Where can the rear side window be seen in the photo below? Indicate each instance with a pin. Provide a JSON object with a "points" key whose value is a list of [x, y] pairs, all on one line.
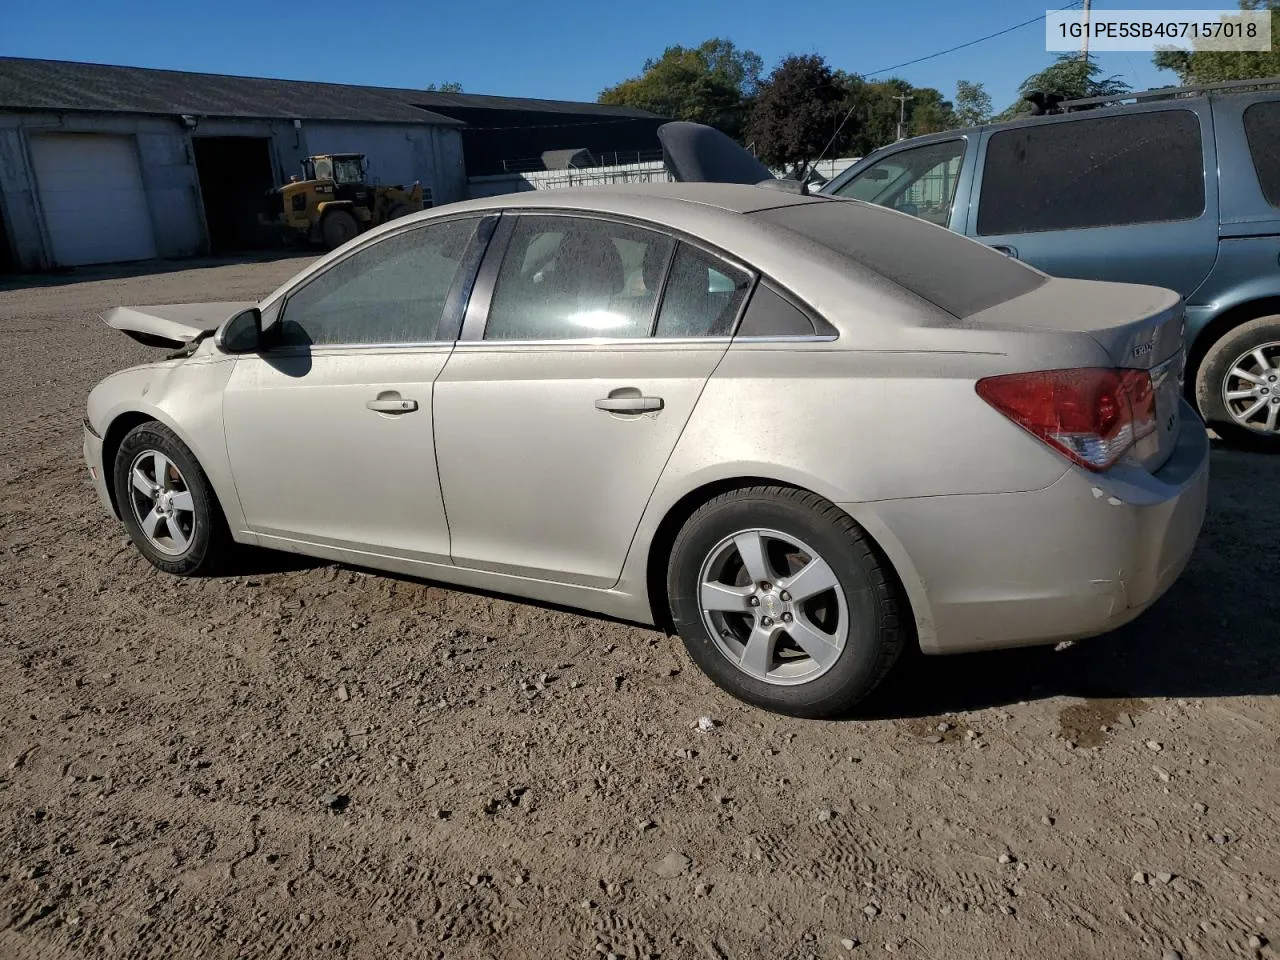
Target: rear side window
{"points": [[1262, 130], [1137, 168], [702, 296], [957, 274], [569, 278], [769, 314]]}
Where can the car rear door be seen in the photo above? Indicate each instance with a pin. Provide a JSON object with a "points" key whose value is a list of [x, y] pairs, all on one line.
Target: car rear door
{"points": [[573, 379], [1122, 196]]}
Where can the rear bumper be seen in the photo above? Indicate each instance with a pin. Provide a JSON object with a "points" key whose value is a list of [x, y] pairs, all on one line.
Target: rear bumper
{"points": [[1076, 559], [92, 449]]}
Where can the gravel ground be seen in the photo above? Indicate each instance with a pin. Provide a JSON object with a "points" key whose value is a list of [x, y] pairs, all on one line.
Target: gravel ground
{"points": [[308, 759]]}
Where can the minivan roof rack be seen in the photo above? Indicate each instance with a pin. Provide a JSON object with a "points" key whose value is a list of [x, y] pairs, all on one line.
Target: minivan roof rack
{"points": [[1169, 93]]}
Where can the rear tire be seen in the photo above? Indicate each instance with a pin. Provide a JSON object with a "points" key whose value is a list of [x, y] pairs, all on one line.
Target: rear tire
{"points": [[783, 602], [338, 227], [1233, 379], [167, 504]]}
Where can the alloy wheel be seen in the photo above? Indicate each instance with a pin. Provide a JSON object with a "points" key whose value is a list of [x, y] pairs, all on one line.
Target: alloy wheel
{"points": [[773, 606], [1251, 389], [162, 502]]}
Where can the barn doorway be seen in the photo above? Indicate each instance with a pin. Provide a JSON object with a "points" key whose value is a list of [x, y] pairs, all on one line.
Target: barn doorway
{"points": [[234, 173], [8, 258]]}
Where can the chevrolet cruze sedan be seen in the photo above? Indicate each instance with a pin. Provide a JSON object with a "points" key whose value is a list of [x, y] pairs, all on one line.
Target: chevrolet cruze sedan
{"points": [[803, 432]]}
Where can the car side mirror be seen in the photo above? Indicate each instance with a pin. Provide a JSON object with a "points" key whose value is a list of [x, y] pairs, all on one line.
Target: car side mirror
{"points": [[242, 333]]}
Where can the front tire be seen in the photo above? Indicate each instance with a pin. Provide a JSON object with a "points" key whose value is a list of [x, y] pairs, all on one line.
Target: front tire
{"points": [[337, 227], [167, 503], [1238, 385], [782, 601]]}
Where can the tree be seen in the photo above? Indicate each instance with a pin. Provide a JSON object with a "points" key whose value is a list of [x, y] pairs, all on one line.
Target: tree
{"points": [[1071, 78], [973, 104], [451, 86], [712, 83], [928, 112], [796, 111], [1215, 66]]}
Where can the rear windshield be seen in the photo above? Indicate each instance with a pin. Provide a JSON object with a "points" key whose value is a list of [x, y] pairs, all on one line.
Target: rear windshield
{"points": [[959, 275]]}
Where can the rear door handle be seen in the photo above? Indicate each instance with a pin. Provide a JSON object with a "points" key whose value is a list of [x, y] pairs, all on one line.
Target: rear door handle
{"points": [[629, 404], [392, 406]]}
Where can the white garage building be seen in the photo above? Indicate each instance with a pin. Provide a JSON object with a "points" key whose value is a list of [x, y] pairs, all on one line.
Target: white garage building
{"points": [[104, 164]]}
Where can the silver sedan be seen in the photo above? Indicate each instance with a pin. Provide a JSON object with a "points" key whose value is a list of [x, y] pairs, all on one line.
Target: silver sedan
{"points": [[802, 432]]}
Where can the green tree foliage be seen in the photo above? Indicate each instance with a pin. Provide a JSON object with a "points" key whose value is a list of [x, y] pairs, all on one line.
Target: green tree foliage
{"points": [[973, 104], [451, 86], [713, 83], [873, 114], [796, 111], [1210, 66], [1070, 77]]}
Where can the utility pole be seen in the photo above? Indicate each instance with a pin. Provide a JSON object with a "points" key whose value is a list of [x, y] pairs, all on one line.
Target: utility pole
{"points": [[902, 99], [1084, 46]]}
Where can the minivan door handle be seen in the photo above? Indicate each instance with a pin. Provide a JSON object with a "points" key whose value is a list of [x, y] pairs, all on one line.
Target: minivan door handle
{"points": [[1007, 250]]}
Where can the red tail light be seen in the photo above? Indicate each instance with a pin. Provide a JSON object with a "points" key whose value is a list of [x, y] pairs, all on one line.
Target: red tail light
{"points": [[1092, 415]]}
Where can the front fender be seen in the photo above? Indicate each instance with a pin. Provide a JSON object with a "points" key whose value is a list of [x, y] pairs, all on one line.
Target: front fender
{"points": [[187, 398]]}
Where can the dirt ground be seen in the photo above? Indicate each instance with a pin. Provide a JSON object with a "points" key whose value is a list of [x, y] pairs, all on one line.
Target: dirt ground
{"points": [[309, 760]]}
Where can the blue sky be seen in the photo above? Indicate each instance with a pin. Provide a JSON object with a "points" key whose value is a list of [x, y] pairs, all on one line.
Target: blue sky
{"points": [[560, 51]]}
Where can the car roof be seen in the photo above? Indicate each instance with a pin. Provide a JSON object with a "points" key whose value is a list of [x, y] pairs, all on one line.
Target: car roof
{"points": [[730, 197]]}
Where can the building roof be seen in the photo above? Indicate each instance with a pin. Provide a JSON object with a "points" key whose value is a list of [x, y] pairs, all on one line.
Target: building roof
{"points": [[60, 85]]}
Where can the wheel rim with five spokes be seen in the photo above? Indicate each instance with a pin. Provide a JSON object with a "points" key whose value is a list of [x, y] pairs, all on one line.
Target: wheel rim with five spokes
{"points": [[162, 503], [773, 607], [1251, 389]]}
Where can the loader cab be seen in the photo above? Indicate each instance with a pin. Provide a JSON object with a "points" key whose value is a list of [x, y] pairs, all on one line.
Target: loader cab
{"points": [[341, 168]]}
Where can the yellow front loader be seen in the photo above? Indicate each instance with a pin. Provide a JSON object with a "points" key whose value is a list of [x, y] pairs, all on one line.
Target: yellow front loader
{"points": [[333, 201]]}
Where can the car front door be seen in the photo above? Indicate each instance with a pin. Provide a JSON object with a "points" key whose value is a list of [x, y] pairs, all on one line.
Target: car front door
{"points": [[329, 428], [1121, 197], [586, 346]]}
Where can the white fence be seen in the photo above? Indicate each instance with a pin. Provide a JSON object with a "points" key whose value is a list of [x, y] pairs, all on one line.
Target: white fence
{"points": [[646, 172]]}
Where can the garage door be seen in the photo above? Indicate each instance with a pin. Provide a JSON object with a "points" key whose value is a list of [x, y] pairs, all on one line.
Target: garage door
{"points": [[95, 208]]}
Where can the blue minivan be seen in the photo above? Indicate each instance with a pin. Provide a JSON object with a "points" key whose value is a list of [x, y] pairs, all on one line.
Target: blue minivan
{"points": [[1180, 189]]}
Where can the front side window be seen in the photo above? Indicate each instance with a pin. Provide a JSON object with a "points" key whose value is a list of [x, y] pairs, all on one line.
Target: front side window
{"points": [[1262, 130], [1108, 171], [920, 181], [392, 291], [572, 278]]}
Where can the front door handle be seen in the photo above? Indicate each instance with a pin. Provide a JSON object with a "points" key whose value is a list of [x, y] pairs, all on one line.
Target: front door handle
{"points": [[1008, 251], [629, 404], [392, 406]]}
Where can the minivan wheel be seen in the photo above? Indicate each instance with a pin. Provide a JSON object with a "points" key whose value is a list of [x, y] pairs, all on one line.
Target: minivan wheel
{"points": [[167, 504], [782, 601], [1238, 385]]}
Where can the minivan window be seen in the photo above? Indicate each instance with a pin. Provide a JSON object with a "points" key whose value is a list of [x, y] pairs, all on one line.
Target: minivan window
{"points": [[1262, 130], [1144, 167], [920, 181]]}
